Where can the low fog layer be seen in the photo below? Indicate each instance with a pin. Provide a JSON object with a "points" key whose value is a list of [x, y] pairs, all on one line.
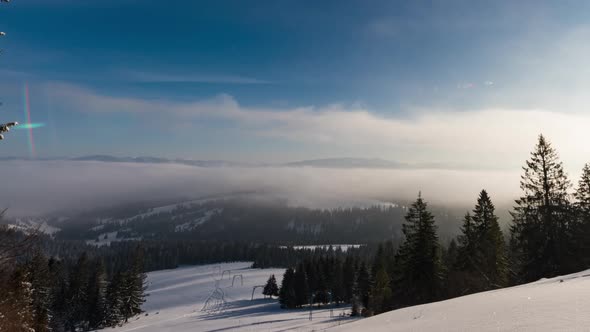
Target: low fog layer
{"points": [[38, 187]]}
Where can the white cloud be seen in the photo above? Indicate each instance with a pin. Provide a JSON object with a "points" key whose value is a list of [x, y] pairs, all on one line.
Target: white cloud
{"points": [[37, 187], [484, 138]]}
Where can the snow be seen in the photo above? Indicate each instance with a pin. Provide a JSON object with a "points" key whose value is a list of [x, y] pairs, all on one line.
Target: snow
{"points": [[557, 304], [176, 299], [188, 226], [343, 247], [35, 225], [105, 239]]}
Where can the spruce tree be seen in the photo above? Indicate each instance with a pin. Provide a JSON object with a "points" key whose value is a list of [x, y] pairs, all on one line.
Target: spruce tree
{"points": [[541, 218], [490, 260], [418, 260], [114, 297], [582, 231], [38, 276], [271, 289], [381, 293], [97, 301], [348, 278], [301, 286], [16, 309], [362, 288], [287, 296], [466, 249], [58, 294], [134, 286], [77, 310]]}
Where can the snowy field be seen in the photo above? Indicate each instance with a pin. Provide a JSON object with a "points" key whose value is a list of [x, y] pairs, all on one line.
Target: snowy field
{"points": [[557, 304], [343, 247], [177, 298]]}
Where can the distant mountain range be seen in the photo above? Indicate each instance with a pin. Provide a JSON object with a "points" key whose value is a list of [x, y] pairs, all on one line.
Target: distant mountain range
{"points": [[344, 163]]}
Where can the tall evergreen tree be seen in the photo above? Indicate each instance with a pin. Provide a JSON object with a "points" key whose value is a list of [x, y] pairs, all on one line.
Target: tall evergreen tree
{"points": [[490, 260], [97, 301], [271, 289], [582, 231], [38, 276], [541, 217], [16, 303], [287, 296], [301, 286], [466, 249], [381, 294], [362, 287], [348, 278], [134, 286], [58, 294], [77, 317], [418, 259], [114, 297]]}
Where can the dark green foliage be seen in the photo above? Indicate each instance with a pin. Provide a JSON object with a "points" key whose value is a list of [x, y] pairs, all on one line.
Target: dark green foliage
{"points": [[301, 286], [38, 276], [271, 289], [287, 296], [481, 263], [133, 287], [541, 229], [54, 295], [97, 296], [582, 224], [418, 264], [362, 288], [16, 303], [115, 300], [491, 260]]}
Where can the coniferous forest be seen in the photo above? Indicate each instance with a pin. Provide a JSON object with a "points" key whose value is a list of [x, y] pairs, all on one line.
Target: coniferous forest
{"points": [[57, 285], [549, 236]]}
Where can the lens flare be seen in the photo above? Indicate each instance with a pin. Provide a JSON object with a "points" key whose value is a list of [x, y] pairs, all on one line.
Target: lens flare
{"points": [[28, 122], [29, 126]]}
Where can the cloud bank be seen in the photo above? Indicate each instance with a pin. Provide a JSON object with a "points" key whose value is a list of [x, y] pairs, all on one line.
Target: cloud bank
{"points": [[489, 138], [38, 187]]}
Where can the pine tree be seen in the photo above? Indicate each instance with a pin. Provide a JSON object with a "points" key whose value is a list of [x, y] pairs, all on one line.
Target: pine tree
{"points": [[490, 260], [97, 301], [58, 294], [418, 259], [582, 228], [337, 287], [466, 249], [38, 276], [541, 218], [348, 278], [78, 295], [301, 286], [134, 286], [362, 288], [381, 293], [271, 289], [287, 296], [16, 303], [114, 297]]}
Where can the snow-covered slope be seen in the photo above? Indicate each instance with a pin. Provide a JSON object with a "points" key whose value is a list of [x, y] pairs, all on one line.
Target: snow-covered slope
{"points": [[557, 304], [177, 298], [29, 225]]}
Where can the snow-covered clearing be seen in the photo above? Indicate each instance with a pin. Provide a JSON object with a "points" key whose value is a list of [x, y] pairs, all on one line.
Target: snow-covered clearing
{"points": [[177, 297], [343, 247], [557, 304], [105, 239]]}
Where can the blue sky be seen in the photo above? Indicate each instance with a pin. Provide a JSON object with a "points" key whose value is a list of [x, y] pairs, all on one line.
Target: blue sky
{"points": [[413, 81]]}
